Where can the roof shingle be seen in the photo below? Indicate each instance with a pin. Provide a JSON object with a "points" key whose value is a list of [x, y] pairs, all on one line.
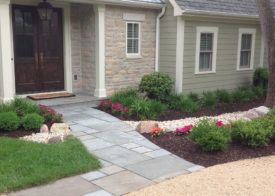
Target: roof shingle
{"points": [[236, 7]]}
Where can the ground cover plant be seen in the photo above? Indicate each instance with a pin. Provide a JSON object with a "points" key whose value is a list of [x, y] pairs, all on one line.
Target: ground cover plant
{"points": [[154, 100], [26, 164], [21, 117]]}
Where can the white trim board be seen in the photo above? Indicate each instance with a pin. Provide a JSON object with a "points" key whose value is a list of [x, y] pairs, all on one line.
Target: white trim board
{"points": [[179, 54], [253, 33], [200, 30]]}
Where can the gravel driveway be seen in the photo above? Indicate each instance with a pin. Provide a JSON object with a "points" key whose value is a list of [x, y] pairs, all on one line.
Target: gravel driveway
{"points": [[246, 177]]}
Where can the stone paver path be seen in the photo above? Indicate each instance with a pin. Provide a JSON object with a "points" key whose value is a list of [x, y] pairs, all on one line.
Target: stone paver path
{"points": [[130, 162]]}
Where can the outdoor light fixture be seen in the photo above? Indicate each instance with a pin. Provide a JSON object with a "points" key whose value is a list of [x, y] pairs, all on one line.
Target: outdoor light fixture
{"points": [[45, 10]]}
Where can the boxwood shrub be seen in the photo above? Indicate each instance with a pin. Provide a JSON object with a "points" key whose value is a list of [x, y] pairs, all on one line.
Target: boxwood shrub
{"points": [[9, 121], [210, 137], [256, 133], [32, 121]]}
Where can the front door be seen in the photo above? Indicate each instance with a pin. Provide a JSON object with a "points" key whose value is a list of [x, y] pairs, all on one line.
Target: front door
{"points": [[38, 50]]}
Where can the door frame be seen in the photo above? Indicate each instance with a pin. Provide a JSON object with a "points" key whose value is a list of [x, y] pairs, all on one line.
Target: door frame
{"points": [[67, 53]]}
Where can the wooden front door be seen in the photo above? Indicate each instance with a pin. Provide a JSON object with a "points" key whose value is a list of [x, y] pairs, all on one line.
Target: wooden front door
{"points": [[38, 50]]}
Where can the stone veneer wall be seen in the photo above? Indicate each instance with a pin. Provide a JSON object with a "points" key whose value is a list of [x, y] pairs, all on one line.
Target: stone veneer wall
{"points": [[121, 72], [83, 48]]}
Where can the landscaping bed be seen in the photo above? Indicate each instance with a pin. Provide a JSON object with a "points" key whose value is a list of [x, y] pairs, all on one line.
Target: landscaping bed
{"points": [[219, 109], [20, 117], [185, 148]]}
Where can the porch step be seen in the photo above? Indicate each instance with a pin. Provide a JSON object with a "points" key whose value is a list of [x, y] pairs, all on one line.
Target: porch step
{"points": [[79, 99]]}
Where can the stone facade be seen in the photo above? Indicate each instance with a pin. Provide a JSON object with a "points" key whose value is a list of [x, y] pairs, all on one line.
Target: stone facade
{"points": [[83, 48], [122, 72]]}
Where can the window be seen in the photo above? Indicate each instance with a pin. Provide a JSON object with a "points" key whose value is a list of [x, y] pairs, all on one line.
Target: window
{"points": [[206, 50], [133, 39], [246, 49]]}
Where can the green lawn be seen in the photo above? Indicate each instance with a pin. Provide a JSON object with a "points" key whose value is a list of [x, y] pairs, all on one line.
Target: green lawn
{"points": [[26, 164]]}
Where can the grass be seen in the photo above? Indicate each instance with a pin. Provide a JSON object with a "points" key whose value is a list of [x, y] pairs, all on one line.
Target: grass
{"points": [[26, 164]]}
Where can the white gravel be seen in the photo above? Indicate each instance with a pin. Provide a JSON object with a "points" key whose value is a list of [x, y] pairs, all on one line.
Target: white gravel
{"points": [[174, 124]]}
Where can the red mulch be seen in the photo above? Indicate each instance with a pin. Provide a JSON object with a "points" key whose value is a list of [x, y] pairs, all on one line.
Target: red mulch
{"points": [[204, 111], [15, 134], [185, 148]]}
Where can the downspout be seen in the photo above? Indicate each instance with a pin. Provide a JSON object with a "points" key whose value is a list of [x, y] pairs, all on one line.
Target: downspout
{"points": [[157, 38]]}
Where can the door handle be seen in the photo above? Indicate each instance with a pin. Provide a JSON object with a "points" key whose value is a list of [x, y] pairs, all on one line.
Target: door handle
{"points": [[41, 57]]}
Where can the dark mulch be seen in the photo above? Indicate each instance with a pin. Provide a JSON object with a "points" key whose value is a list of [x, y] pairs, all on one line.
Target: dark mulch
{"points": [[15, 134], [185, 148], [204, 111], [218, 110]]}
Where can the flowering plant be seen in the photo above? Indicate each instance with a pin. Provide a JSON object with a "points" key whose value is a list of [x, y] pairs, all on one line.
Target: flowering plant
{"points": [[184, 130], [106, 104], [119, 108], [219, 124], [157, 131], [51, 116]]}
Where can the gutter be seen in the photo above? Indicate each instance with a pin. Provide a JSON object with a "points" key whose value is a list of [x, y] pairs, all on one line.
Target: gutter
{"points": [[161, 14], [188, 12], [130, 3]]}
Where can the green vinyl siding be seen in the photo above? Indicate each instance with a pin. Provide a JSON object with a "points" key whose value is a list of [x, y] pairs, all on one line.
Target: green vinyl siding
{"points": [[226, 76], [168, 43]]}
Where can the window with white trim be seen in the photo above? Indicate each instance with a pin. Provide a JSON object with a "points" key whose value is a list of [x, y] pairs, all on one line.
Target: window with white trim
{"points": [[246, 49], [133, 38], [206, 50]]}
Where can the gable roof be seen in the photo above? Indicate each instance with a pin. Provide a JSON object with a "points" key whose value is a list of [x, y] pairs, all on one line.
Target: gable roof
{"points": [[225, 7]]}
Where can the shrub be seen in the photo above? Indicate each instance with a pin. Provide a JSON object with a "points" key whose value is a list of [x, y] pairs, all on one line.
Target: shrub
{"points": [[258, 91], [194, 96], [243, 94], [20, 106], [253, 134], [183, 103], [210, 137], [209, 99], [9, 121], [237, 95], [157, 86], [32, 121], [126, 97], [24, 106], [174, 101], [157, 107], [223, 96], [141, 109], [260, 78], [188, 105], [50, 115], [147, 109]]}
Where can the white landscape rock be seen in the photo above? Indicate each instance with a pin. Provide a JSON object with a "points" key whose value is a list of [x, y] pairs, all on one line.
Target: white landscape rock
{"points": [[262, 110], [59, 132], [44, 129], [226, 118]]}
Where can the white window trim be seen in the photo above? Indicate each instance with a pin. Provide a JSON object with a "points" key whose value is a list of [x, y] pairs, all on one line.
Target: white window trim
{"points": [[241, 32], [133, 55], [200, 30]]}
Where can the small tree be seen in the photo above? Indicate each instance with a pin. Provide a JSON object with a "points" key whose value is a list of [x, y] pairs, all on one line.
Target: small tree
{"points": [[268, 29]]}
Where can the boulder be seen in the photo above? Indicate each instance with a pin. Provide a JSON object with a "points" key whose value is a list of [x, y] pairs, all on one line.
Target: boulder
{"points": [[44, 129], [262, 110], [55, 139], [251, 114], [60, 128], [146, 126]]}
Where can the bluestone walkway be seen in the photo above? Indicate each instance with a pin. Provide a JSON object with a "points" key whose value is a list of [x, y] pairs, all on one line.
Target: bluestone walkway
{"points": [[130, 162]]}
